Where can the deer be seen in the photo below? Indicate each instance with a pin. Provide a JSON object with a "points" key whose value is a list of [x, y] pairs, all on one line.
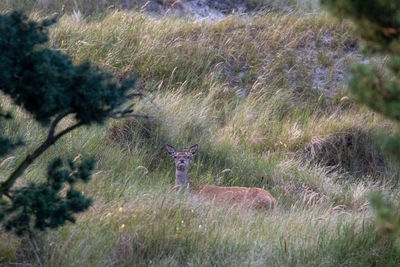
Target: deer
{"points": [[232, 195]]}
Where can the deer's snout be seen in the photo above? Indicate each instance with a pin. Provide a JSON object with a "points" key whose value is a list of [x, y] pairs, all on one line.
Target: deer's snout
{"points": [[182, 161]]}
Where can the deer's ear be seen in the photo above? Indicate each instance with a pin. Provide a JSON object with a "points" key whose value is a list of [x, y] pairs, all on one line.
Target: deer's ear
{"points": [[193, 149], [171, 151]]}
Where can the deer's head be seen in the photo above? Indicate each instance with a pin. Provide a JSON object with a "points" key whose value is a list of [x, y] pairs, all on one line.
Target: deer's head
{"points": [[181, 158]]}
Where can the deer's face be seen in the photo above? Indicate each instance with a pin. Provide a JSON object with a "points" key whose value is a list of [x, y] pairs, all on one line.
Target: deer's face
{"points": [[181, 158]]}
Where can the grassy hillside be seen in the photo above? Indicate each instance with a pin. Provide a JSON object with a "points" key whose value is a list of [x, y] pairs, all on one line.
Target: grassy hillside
{"points": [[96, 8], [264, 96]]}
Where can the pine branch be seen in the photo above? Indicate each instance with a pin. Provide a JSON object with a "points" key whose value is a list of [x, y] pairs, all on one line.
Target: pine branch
{"points": [[50, 86], [127, 113], [55, 123], [50, 140]]}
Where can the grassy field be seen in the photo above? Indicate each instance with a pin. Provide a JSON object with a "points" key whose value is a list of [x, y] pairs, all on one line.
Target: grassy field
{"points": [[263, 95], [98, 8]]}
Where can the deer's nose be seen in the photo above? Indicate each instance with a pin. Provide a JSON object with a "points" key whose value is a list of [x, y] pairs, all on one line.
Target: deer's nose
{"points": [[182, 161]]}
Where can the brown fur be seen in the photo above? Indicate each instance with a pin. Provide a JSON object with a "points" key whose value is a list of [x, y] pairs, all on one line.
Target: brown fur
{"points": [[234, 195]]}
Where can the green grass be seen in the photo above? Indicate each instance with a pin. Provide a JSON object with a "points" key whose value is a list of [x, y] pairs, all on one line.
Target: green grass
{"points": [[248, 91]]}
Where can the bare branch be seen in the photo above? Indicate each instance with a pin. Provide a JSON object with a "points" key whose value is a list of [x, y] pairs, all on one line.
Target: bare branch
{"points": [[127, 113], [7, 194], [6, 185], [54, 124]]}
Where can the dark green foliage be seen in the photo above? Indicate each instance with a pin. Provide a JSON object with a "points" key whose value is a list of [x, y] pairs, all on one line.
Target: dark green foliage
{"points": [[49, 86], [45, 82], [388, 223], [378, 22], [392, 145], [5, 143], [50, 204], [373, 89], [385, 211]]}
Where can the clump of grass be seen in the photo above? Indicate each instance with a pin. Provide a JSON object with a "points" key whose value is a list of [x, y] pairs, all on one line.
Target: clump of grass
{"points": [[351, 151], [131, 133]]}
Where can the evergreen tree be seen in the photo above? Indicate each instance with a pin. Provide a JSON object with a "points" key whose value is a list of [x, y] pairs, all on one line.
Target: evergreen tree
{"points": [[378, 87], [378, 22], [50, 87]]}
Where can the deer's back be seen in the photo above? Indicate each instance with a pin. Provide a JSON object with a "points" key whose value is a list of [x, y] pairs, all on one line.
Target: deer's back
{"points": [[252, 196]]}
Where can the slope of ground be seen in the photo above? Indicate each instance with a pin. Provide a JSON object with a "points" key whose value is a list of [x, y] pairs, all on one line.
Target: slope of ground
{"points": [[262, 95], [195, 9]]}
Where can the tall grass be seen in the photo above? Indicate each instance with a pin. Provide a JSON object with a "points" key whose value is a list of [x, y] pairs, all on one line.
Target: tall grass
{"points": [[262, 96], [86, 7], [97, 8]]}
